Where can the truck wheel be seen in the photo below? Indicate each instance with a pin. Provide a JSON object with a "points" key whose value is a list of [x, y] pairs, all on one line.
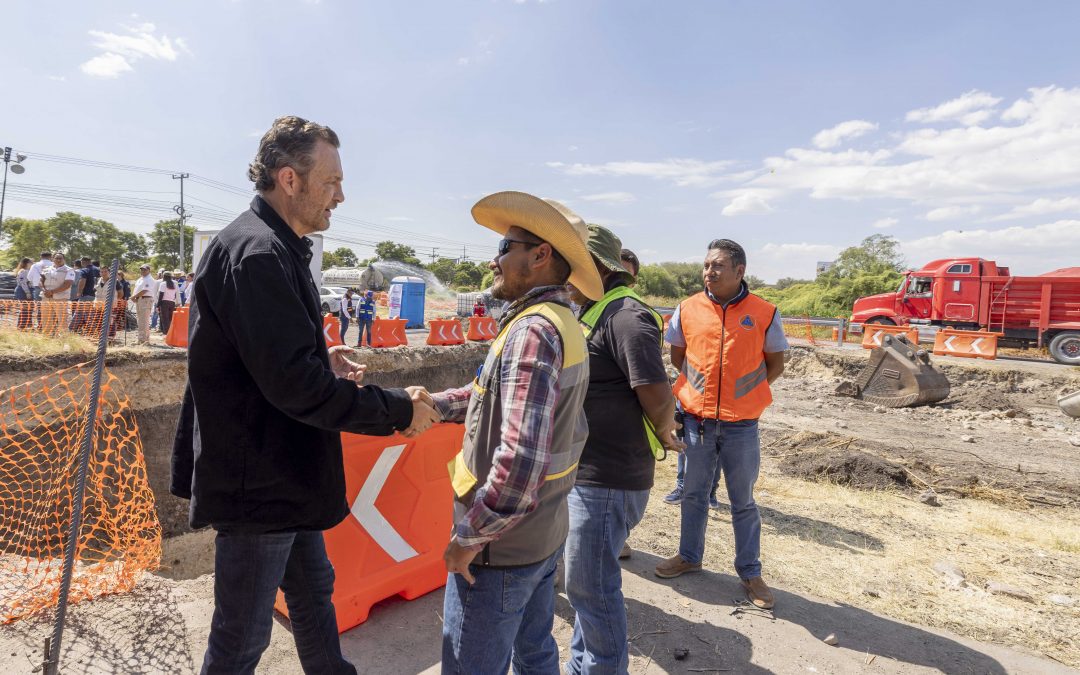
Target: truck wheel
{"points": [[882, 320], [1065, 348]]}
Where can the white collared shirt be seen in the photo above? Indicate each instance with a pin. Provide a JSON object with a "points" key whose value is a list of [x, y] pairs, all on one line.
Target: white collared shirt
{"points": [[145, 283], [56, 276], [35, 272]]}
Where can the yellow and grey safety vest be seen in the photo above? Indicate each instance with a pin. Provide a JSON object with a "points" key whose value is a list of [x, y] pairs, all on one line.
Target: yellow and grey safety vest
{"points": [[540, 533], [588, 324]]}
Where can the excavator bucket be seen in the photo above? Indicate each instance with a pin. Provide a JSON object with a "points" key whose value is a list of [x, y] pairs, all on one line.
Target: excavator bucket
{"points": [[899, 375]]}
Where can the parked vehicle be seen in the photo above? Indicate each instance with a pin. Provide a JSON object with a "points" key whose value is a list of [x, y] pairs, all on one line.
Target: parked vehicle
{"points": [[7, 286], [330, 300], [978, 294]]}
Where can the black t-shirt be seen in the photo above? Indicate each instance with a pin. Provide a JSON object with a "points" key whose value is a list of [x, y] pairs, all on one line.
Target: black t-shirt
{"points": [[624, 352], [91, 275]]}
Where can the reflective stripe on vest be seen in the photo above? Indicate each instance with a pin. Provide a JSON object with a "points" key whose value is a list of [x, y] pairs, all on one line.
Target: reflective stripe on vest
{"points": [[588, 324], [724, 375]]}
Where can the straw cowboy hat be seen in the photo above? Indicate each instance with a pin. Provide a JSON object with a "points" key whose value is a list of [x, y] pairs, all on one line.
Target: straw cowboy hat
{"points": [[550, 221]]}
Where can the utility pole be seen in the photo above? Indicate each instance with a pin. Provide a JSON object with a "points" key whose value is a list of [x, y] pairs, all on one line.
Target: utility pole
{"points": [[433, 255], [183, 217]]}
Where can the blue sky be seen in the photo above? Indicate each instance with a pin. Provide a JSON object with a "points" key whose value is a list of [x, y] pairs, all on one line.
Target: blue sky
{"points": [[796, 128]]}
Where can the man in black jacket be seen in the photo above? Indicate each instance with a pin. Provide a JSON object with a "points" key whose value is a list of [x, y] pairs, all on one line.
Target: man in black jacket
{"points": [[258, 448]]}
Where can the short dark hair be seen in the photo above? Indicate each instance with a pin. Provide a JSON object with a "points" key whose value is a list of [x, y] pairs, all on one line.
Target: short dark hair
{"points": [[46, 254], [626, 255], [289, 142], [734, 251]]}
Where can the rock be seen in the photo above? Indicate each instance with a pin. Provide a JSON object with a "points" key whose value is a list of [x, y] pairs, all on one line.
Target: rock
{"points": [[1011, 591], [967, 439], [831, 640], [1074, 441], [681, 653], [1025, 422], [954, 576], [872, 592], [819, 401], [1061, 600], [841, 424], [969, 425], [1059, 427], [879, 408], [930, 498]]}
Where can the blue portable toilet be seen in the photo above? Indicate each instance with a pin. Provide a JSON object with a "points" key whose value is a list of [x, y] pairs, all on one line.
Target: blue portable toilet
{"points": [[407, 300]]}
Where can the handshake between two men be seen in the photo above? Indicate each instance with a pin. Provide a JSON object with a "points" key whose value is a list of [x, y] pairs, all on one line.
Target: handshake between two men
{"points": [[424, 412]]}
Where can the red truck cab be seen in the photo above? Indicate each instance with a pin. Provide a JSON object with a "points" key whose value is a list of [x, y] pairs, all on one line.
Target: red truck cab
{"points": [[978, 294]]}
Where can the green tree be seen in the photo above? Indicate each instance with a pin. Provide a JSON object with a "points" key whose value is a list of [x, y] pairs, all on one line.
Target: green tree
{"points": [[164, 242], [346, 256], [876, 254], [443, 269], [28, 238], [487, 280], [135, 247], [73, 235], [656, 280], [388, 250], [468, 275], [789, 281], [752, 282]]}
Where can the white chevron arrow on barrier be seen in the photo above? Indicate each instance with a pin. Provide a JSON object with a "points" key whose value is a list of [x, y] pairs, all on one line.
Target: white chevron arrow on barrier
{"points": [[948, 343], [877, 338], [326, 332], [369, 517], [975, 345]]}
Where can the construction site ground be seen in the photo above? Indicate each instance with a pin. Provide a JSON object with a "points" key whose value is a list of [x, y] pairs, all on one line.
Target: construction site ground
{"points": [[986, 582]]}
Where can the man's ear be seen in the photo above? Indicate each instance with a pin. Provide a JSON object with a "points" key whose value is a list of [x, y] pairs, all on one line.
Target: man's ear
{"points": [[288, 180]]}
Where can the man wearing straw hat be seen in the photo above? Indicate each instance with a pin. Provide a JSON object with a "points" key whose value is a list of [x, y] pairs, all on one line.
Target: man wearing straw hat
{"points": [[525, 430]]}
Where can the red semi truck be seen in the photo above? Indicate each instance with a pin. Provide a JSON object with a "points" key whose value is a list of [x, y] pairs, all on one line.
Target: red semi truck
{"points": [[977, 294]]}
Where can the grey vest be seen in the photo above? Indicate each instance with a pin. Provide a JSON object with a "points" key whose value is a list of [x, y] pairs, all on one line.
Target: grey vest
{"points": [[540, 533]]}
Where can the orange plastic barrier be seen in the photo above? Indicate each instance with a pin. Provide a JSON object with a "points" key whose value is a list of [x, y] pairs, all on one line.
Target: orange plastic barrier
{"points": [[402, 513], [331, 328], [445, 332], [120, 538], [178, 329], [873, 332], [482, 328], [968, 343], [388, 332]]}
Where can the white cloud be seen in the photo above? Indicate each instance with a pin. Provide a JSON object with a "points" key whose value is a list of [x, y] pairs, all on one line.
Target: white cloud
{"points": [[119, 51], [970, 108], [747, 204], [775, 261], [952, 212], [572, 148], [1026, 250], [830, 138], [107, 65], [58, 78], [398, 218], [610, 197], [1042, 207], [681, 172], [885, 223]]}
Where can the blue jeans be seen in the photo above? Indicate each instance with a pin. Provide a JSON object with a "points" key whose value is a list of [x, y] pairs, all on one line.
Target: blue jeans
{"points": [[600, 520], [248, 570], [344, 327], [735, 446], [361, 326], [679, 482], [506, 616]]}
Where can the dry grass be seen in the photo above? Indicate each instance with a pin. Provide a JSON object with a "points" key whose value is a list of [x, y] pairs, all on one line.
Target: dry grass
{"points": [[23, 344], [876, 550]]}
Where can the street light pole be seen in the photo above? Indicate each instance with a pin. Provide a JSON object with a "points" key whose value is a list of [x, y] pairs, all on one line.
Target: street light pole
{"points": [[17, 170], [183, 215]]}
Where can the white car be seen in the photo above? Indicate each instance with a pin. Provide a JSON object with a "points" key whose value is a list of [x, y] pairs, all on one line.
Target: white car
{"points": [[330, 299]]}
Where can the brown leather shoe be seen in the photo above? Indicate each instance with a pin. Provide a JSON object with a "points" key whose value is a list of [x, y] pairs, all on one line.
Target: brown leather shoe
{"points": [[758, 592], [625, 552], [675, 566]]}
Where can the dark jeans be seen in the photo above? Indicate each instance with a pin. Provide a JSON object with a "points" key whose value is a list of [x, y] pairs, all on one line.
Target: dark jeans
{"points": [[165, 309], [344, 327], [248, 570], [361, 326]]}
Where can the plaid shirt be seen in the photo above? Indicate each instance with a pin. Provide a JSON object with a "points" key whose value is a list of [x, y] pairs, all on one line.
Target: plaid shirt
{"points": [[530, 365]]}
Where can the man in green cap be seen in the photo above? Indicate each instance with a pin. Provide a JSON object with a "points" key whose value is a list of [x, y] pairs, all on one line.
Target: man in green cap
{"points": [[631, 414]]}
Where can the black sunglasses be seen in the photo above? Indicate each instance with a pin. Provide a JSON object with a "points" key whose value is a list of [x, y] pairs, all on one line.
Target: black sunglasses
{"points": [[504, 245]]}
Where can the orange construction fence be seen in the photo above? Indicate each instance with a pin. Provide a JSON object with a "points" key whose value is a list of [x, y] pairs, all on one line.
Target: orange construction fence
{"points": [[331, 328], [445, 332], [178, 329], [968, 343], [401, 516], [388, 332], [873, 332], [55, 317], [482, 328], [120, 538]]}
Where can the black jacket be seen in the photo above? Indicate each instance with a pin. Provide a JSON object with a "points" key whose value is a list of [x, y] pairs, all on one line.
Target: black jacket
{"points": [[258, 447]]}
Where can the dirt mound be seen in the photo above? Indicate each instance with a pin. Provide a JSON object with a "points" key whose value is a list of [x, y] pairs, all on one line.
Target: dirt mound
{"points": [[847, 467], [987, 399]]}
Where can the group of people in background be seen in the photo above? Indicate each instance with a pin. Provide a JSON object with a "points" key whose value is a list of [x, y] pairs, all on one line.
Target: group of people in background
{"points": [[361, 309], [55, 284]]}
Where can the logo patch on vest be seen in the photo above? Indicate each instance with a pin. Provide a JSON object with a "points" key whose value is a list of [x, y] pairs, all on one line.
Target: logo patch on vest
{"points": [[747, 322]]}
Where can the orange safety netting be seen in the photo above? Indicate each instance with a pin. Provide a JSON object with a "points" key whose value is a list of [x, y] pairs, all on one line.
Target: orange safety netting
{"points": [[54, 317], [41, 429], [799, 327]]}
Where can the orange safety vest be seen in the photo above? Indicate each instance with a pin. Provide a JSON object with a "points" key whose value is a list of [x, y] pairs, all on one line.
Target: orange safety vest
{"points": [[723, 375]]}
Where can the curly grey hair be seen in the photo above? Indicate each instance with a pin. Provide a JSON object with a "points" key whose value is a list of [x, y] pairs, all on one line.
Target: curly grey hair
{"points": [[289, 142]]}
